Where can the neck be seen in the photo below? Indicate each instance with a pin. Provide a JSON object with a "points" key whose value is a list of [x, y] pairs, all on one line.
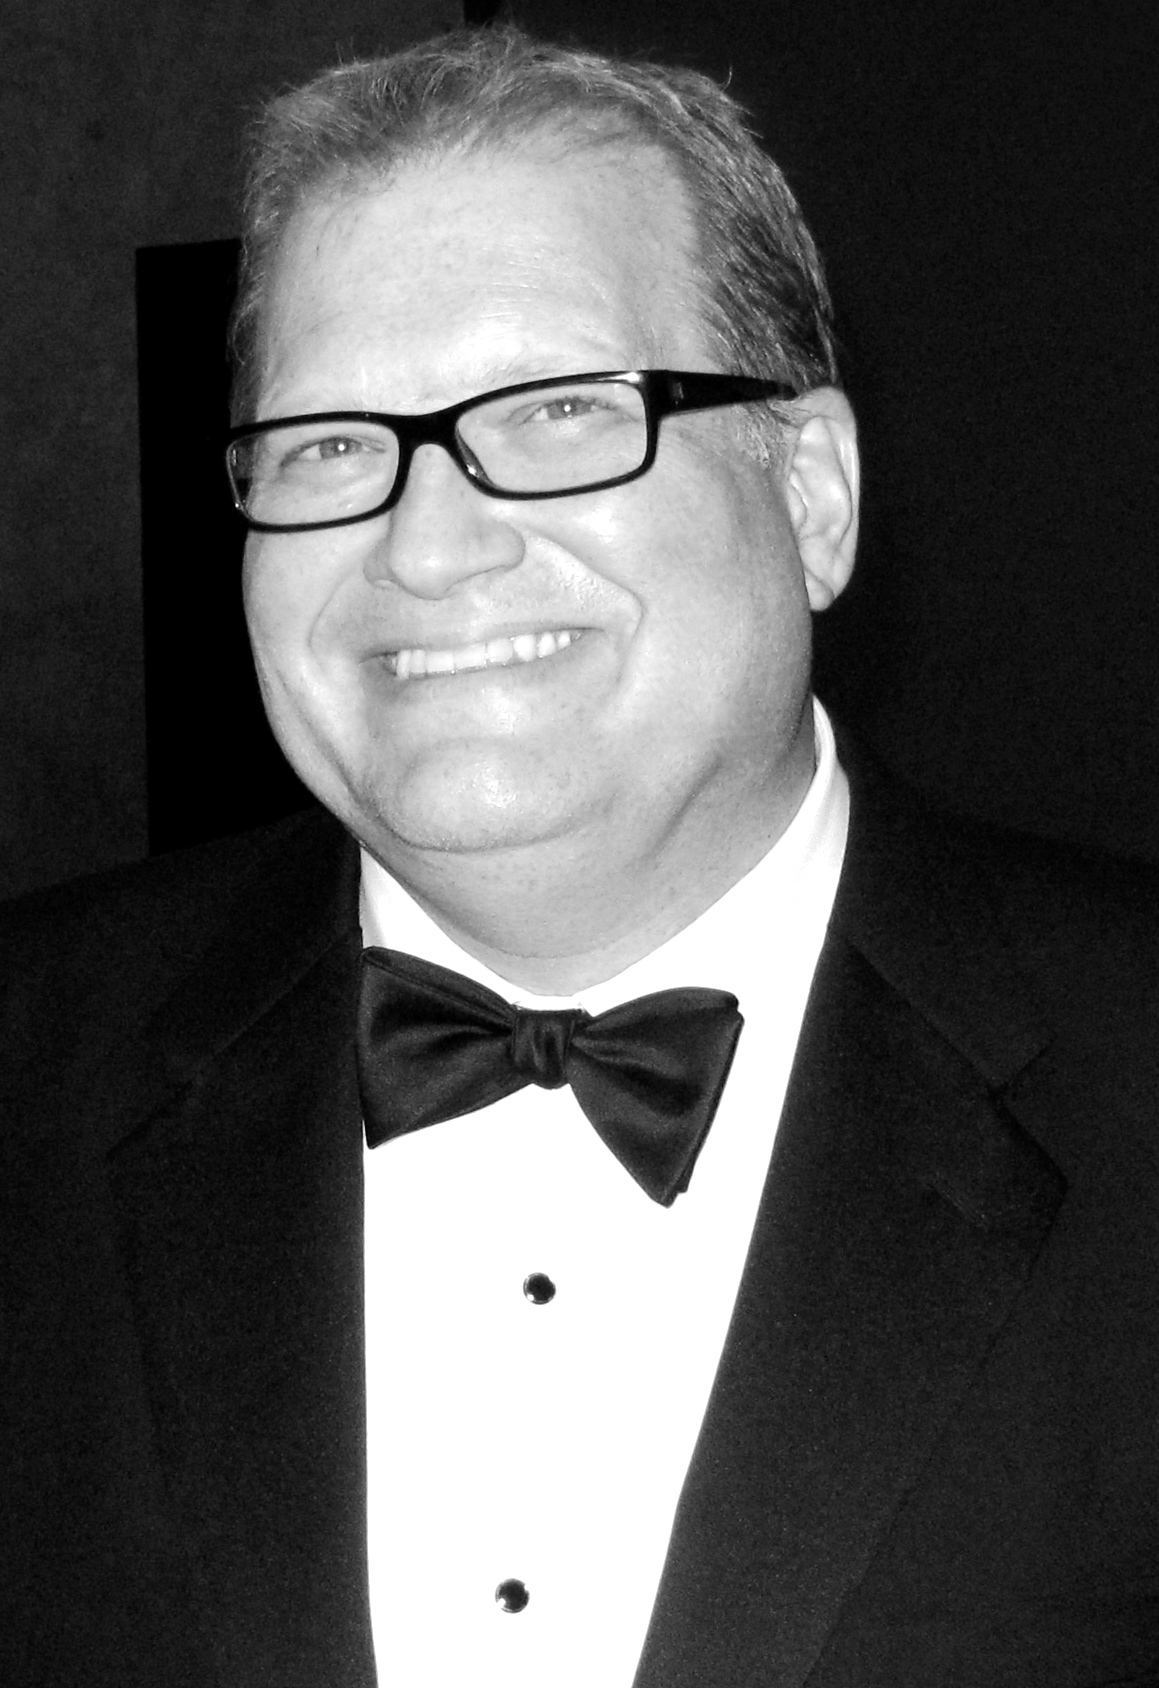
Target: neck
{"points": [[556, 920]]}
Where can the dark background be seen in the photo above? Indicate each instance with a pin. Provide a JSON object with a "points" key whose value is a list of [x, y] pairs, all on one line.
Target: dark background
{"points": [[982, 181]]}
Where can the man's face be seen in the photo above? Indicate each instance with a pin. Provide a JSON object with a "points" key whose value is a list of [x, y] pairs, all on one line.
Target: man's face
{"points": [[677, 709]]}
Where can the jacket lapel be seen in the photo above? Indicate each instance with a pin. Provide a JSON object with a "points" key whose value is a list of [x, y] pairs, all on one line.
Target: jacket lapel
{"points": [[904, 1208], [235, 1181]]}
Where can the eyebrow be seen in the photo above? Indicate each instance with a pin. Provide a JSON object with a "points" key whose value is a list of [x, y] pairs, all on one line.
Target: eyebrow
{"points": [[515, 370]]}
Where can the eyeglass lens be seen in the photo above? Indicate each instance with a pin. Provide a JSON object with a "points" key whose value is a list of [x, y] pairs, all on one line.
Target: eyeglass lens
{"points": [[540, 440]]}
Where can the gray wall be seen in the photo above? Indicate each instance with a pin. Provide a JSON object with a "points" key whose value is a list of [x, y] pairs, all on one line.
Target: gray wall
{"points": [[119, 128]]}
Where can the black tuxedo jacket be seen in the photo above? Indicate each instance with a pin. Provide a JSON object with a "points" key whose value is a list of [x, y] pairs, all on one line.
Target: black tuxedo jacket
{"points": [[932, 1451]]}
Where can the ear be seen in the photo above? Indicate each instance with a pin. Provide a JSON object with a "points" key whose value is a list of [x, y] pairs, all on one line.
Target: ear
{"points": [[822, 483]]}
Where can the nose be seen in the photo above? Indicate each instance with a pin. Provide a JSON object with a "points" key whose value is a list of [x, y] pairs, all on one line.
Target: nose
{"points": [[442, 531]]}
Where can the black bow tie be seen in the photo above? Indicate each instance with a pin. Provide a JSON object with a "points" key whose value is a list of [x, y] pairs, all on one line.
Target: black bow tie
{"points": [[648, 1074]]}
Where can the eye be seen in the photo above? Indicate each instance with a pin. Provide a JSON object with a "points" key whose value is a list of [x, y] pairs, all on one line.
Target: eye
{"points": [[566, 407], [341, 446], [294, 453], [330, 449], [583, 407]]}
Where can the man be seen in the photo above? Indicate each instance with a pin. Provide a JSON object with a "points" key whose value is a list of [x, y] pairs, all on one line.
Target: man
{"points": [[534, 626]]}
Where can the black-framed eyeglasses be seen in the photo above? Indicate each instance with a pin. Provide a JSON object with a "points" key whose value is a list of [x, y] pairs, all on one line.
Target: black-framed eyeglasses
{"points": [[539, 439]]}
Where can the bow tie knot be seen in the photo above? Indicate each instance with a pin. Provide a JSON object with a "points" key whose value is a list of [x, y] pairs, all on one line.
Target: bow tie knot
{"points": [[540, 1043], [649, 1074]]}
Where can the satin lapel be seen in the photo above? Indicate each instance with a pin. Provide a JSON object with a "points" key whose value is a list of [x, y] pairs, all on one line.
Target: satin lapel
{"points": [[904, 1209], [237, 1204]]}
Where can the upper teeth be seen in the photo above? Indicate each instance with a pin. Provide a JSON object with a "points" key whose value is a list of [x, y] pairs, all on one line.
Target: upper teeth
{"points": [[492, 653]]}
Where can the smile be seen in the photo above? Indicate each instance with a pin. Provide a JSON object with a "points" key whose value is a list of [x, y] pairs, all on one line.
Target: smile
{"points": [[417, 663]]}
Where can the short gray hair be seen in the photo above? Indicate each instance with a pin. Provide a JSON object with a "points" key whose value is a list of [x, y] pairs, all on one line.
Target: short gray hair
{"points": [[762, 290]]}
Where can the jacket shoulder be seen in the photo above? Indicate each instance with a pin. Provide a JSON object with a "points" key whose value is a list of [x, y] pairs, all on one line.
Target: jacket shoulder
{"points": [[1044, 900], [94, 956], [1037, 962], [1058, 905]]}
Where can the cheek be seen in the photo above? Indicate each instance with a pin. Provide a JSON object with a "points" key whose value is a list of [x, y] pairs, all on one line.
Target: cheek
{"points": [[269, 602], [735, 627], [716, 567], [287, 597]]}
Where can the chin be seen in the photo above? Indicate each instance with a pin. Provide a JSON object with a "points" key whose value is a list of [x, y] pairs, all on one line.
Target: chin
{"points": [[453, 810]]}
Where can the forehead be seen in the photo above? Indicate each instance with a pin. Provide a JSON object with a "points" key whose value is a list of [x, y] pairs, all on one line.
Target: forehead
{"points": [[467, 273]]}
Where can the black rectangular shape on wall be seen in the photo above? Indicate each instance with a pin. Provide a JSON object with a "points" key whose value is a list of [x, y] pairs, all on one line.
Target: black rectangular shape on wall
{"points": [[213, 765]]}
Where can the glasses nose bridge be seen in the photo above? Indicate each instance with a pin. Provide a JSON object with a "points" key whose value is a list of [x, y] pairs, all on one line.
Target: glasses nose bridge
{"points": [[437, 427]]}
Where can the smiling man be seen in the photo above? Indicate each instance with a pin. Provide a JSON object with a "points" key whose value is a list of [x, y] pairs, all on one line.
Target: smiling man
{"points": [[568, 724], [619, 1194]]}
